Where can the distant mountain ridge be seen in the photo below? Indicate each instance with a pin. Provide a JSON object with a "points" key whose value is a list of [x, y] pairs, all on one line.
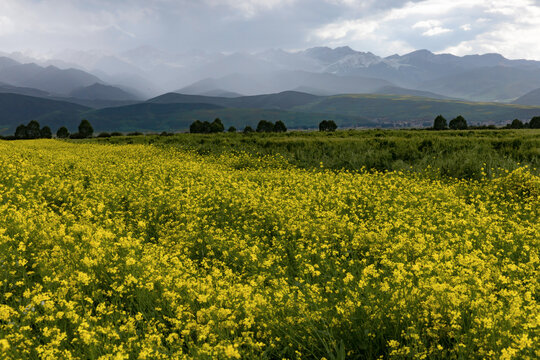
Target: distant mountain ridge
{"points": [[320, 70]]}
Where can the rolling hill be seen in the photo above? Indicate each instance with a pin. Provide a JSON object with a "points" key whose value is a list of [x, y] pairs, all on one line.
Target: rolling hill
{"points": [[17, 109], [395, 110], [531, 98]]}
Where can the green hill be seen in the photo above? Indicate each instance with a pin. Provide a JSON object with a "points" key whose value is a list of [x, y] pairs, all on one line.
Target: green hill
{"points": [[395, 110], [18, 109]]}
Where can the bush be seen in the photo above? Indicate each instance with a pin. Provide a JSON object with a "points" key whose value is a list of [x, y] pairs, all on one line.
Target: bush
{"points": [[327, 125], [232, 129], [265, 126], [516, 124], [45, 133], [62, 133], [439, 123], [535, 123], [248, 129], [116, 133], [85, 129], [104, 135], [458, 123], [135, 133], [280, 127]]}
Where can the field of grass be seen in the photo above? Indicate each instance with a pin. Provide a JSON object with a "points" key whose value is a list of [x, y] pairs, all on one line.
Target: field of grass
{"points": [[461, 154], [189, 250]]}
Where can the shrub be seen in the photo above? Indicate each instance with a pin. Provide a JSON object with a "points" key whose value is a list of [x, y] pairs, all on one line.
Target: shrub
{"points": [[265, 126], [458, 123], [85, 129], [327, 125], [440, 123], [62, 133], [279, 127]]}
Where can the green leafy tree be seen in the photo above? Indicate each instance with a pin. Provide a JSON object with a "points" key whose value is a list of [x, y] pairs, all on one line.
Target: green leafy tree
{"points": [[248, 129], [535, 123], [62, 133], [217, 126], [85, 129], [279, 127], [327, 125], [458, 123], [20, 132], [265, 126], [440, 123], [45, 132], [232, 129], [516, 124], [33, 130], [196, 127]]}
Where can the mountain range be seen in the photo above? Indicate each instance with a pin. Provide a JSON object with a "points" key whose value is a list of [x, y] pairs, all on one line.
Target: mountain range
{"points": [[356, 88]]}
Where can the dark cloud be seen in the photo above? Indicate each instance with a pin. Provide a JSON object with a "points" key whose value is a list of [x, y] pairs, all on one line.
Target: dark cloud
{"points": [[380, 26]]}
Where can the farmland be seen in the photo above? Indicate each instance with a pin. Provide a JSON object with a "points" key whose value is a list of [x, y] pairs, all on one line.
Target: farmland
{"points": [[271, 246]]}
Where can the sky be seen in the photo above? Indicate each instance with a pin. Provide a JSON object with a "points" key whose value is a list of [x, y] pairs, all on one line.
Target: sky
{"points": [[384, 27]]}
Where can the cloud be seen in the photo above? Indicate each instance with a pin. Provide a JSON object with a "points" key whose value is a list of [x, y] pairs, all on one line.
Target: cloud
{"points": [[381, 26]]}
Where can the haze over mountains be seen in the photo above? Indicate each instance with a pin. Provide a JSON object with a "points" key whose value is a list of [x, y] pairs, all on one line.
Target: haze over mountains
{"points": [[304, 82]]}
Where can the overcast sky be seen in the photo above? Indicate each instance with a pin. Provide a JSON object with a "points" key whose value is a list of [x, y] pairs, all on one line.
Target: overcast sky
{"points": [[384, 27]]}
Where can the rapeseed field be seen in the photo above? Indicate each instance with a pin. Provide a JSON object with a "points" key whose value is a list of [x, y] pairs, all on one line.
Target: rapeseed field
{"points": [[144, 252]]}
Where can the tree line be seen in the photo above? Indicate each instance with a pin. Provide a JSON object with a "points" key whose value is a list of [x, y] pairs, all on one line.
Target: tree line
{"points": [[459, 123], [264, 126]]}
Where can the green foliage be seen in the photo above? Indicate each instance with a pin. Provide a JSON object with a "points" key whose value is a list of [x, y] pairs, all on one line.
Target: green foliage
{"points": [[265, 126], [458, 123], [45, 133], [33, 130], [535, 123], [248, 129], [62, 133], [279, 127], [21, 132], [327, 125], [198, 127], [85, 129], [440, 123], [232, 129], [516, 124]]}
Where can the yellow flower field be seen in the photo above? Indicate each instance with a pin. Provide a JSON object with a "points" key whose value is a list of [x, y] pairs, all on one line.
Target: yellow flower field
{"points": [[140, 252]]}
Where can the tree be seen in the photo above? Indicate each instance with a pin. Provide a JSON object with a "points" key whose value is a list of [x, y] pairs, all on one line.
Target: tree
{"points": [[327, 125], [85, 129], [458, 123], [265, 126], [535, 123], [279, 126], [216, 126], [20, 132], [33, 130], [248, 129], [516, 124], [439, 123], [62, 133], [196, 127], [232, 129], [45, 132]]}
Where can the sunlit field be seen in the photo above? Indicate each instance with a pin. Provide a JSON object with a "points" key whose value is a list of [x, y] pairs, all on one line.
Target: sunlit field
{"points": [[139, 251]]}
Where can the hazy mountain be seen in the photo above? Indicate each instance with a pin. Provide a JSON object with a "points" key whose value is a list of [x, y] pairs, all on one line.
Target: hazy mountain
{"points": [[531, 98], [102, 92], [499, 83], [286, 80], [50, 79], [6, 88], [147, 71], [284, 100], [18, 109]]}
